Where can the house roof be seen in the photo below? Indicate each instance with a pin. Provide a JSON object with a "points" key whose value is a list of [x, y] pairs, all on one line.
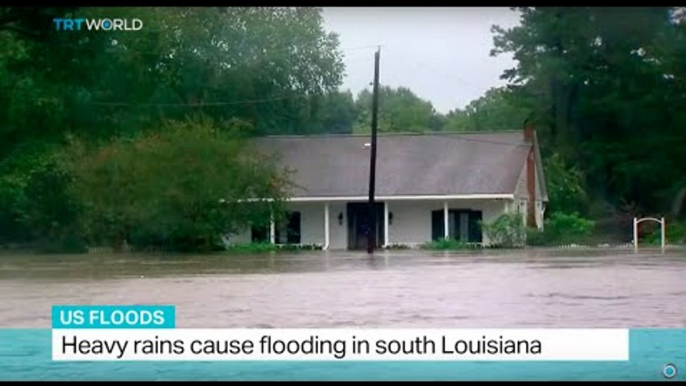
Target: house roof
{"points": [[428, 164]]}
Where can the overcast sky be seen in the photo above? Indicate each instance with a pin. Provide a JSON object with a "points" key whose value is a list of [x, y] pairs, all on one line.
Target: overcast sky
{"points": [[442, 54]]}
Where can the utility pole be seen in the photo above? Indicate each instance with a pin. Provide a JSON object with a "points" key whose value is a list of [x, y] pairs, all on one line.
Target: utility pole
{"points": [[371, 239]]}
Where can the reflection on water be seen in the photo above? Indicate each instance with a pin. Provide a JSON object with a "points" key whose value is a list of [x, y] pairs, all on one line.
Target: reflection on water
{"points": [[540, 288]]}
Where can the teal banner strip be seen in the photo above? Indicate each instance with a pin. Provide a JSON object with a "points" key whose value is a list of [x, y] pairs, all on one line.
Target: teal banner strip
{"points": [[110, 316], [26, 355]]}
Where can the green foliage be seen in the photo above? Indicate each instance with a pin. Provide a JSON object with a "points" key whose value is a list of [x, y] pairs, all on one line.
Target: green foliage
{"points": [[334, 113], [675, 233], [604, 85], [568, 227], [562, 229], [250, 248], [565, 186], [507, 231], [275, 69], [182, 187], [498, 109], [298, 247], [400, 110], [448, 244]]}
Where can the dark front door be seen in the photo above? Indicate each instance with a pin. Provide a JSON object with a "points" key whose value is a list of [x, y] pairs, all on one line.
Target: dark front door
{"points": [[359, 224]]}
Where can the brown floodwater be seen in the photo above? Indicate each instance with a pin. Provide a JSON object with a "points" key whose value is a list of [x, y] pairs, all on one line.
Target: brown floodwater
{"points": [[532, 288]]}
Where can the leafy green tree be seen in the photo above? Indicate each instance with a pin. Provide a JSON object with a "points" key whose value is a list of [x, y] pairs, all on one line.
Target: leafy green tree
{"points": [[182, 187], [498, 109], [267, 66], [605, 86], [400, 110]]}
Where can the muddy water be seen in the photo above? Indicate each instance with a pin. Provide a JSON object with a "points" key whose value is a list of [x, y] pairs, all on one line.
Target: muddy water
{"points": [[346, 289]]}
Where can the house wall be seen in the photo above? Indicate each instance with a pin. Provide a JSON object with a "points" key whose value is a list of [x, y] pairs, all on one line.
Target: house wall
{"points": [[311, 225], [412, 219], [522, 197], [411, 222]]}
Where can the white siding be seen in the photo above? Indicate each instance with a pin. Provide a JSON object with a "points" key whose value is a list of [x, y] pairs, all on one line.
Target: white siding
{"points": [[311, 222], [411, 223], [311, 225], [412, 219], [242, 237]]}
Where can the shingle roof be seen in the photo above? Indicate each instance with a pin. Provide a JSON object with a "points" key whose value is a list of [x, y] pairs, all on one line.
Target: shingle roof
{"points": [[407, 164]]}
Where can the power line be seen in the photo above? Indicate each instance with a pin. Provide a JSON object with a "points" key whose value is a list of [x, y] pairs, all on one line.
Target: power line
{"points": [[123, 49], [181, 104]]}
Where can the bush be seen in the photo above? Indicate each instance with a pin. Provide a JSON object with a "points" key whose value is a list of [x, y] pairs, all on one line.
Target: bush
{"points": [[447, 244], [299, 247], [65, 243], [535, 237], [179, 188], [562, 228], [508, 231], [398, 246], [676, 233], [251, 248], [269, 247], [568, 228]]}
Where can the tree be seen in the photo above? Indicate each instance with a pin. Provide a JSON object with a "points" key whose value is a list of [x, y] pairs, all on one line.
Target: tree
{"points": [[498, 109], [182, 187], [400, 110], [605, 86], [266, 66]]}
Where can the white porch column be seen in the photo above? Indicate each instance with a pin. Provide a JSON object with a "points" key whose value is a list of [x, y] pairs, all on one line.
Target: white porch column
{"points": [[326, 226], [662, 234], [635, 234], [446, 221], [386, 242], [272, 231]]}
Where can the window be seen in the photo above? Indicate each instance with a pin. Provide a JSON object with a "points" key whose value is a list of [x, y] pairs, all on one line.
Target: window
{"points": [[260, 234], [463, 225], [288, 232]]}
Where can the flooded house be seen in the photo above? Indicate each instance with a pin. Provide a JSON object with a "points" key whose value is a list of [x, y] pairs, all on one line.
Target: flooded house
{"points": [[429, 186]]}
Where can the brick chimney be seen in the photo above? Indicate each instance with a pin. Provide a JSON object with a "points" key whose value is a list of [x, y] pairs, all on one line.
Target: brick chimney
{"points": [[528, 133], [530, 177]]}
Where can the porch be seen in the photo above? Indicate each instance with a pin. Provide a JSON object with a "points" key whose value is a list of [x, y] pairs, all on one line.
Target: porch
{"points": [[341, 225]]}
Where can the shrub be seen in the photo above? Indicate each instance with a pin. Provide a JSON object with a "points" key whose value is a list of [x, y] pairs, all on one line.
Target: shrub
{"points": [[562, 228], [299, 247], [568, 228], [179, 188], [535, 237], [398, 246], [251, 248], [508, 231], [269, 247], [676, 233], [447, 244]]}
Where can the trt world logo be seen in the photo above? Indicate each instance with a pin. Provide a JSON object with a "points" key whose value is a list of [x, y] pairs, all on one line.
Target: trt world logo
{"points": [[69, 24]]}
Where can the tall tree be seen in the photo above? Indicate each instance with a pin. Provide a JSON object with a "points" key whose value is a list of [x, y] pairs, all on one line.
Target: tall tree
{"points": [[498, 109], [400, 110], [266, 66], [605, 85]]}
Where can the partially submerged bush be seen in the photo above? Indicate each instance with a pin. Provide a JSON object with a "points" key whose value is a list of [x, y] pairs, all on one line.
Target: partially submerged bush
{"points": [[675, 233], [560, 229], [179, 188], [507, 231], [269, 247], [447, 244]]}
